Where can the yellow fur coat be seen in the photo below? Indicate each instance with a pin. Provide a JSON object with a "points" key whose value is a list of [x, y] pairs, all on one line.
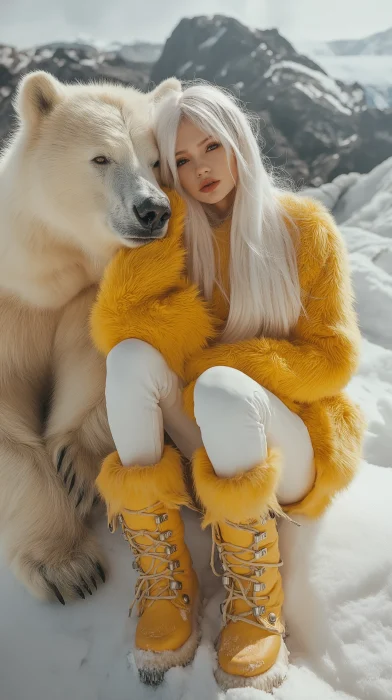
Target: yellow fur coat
{"points": [[145, 294]]}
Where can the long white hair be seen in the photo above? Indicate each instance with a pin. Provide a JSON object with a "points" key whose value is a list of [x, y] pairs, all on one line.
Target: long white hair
{"points": [[264, 286]]}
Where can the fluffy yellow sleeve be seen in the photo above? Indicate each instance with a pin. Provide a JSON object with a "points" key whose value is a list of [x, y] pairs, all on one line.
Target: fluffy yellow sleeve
{"points": [[322, 353], [144, 294]]}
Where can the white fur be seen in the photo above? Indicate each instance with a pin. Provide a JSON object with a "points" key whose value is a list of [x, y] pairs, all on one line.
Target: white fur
{"points": [[156, 664], [60, 223]]}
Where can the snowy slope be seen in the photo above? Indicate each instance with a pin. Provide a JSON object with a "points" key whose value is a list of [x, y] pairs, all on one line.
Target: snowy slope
{"points": [[338, 571], [366, 61], [372, 72]]}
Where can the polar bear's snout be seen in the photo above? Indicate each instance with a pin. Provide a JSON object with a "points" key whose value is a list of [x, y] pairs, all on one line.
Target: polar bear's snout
{"points": [[152, 215]]}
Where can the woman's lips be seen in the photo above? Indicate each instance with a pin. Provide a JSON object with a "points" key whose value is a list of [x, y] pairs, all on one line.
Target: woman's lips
{"points": [[210, 186]]}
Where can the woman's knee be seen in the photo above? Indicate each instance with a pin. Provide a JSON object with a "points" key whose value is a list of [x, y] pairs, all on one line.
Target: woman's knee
{"points": [[134, 360], [225, 393]]}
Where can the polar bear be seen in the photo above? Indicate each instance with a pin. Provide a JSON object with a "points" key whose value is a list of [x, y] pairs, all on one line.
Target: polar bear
{"points": [[77, 181]]}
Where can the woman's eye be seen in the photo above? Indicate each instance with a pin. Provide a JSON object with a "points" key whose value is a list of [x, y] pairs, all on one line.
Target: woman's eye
{"points": [[213, 146], [156, 164], [180, 162], [101, 160]]}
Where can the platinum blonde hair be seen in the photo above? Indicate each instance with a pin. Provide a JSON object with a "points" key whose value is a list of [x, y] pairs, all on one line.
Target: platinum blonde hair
{"points": [[264, 286]]}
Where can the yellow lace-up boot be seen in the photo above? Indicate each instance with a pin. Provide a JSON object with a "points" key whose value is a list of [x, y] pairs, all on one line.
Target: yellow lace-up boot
{"points": [[145, 500], [240, 509]]}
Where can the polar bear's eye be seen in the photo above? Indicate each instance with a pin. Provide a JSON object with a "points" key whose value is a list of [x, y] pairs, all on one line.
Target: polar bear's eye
{"points": [[101, 160], [156, 164]]}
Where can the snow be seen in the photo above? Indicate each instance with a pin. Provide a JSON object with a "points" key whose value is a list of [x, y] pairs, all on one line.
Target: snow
{"points": [[337, 571], [72, 54], [367, 70], [379, 100], [24, 62], [212, 40], [6, 57], [314, 93], [371, 70], [185, 67], [347, 141], [328, 88], [88, 62]]}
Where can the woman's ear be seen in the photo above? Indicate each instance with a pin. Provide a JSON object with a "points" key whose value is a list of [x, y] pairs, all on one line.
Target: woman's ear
{"points": [[166, 86]]}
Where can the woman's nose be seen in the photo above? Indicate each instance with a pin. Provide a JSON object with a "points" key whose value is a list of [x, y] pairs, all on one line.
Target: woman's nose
{"points": [[202, 170]]}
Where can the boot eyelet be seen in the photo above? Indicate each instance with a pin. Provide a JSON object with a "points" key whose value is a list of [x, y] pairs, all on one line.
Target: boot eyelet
{"points": [[175, 585], [258, 587], [221, 607], [272, 618], [259, 572], [261, 553], [259, 537], [165, 535], [226, 580], [159, 519], [174, 565], [186, 599], [258, 610], [170, 549]]}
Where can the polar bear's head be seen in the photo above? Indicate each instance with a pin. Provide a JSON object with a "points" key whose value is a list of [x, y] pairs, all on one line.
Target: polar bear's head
{"points": [[89, 159]]}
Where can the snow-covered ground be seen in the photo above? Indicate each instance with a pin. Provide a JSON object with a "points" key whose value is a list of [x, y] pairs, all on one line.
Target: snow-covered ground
{"points": [[338, 571]]}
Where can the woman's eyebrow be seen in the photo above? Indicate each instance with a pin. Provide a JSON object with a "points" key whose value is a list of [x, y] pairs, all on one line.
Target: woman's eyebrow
{"points": [[198, 145]]}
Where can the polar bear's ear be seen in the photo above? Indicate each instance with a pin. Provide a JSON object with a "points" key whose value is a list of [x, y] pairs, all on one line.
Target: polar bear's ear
{"points": [[37, 95], [170, 84]]}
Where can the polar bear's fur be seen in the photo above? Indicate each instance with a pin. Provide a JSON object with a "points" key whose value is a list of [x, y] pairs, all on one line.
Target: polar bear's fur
{"points": [[62, 217]]}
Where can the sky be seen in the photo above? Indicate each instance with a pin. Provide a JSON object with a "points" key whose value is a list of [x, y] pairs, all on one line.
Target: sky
{"points": [[24, 23]]}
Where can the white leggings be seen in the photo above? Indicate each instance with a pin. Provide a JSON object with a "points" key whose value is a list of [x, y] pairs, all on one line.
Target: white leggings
{"points": [[236, 418]]}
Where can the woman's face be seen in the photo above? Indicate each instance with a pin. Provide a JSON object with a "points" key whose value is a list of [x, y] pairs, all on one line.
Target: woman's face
{"points": [[203, 168]]}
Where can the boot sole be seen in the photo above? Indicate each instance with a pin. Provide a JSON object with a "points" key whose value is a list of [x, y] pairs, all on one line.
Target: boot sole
{"points": [[267, 681], [152, 665]]}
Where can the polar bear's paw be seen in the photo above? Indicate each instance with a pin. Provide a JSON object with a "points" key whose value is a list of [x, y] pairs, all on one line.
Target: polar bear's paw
{"points": [[59, 569]]}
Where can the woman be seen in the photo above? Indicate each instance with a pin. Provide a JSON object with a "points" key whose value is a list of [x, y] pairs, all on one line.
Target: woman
{"points": [[237, 334]]}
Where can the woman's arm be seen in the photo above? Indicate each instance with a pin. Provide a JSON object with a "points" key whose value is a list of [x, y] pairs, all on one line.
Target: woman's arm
{"points": [[144, 294], [323, 351]]}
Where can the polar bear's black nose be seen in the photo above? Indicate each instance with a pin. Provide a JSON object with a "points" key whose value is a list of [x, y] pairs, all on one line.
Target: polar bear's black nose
{"points": [[151, 214]]}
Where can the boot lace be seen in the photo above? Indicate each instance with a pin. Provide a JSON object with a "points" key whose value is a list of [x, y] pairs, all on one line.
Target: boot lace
{"points": [[238, 586], [162, 581]]}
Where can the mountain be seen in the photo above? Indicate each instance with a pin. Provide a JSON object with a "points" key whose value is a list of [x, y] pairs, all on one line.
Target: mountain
{"points": [[367, 60], [379, 44], [69, 63], [138, 52], [313, 127]]}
